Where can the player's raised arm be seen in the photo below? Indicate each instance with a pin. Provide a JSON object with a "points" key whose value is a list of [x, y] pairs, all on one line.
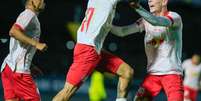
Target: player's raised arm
{"points": [[153, 19], [123, 31]]}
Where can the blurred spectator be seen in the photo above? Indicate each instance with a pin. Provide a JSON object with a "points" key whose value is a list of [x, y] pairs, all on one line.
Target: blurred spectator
{"points": [[192, 71]]}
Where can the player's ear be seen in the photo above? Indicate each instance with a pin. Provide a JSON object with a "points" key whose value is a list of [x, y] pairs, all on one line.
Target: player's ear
{"points": [[165, 2], [35, 3]]}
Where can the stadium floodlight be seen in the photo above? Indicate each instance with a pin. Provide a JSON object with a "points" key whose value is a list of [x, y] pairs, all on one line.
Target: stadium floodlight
{"points": [[3, 40]]}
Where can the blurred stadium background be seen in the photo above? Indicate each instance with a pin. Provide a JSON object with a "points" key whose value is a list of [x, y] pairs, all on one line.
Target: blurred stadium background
{"points": [[59, 22]]}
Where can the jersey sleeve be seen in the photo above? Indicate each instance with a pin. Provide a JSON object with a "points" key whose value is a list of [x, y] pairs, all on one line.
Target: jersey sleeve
{"points": [[184, 64], [24, 19], [122, 31], [174, 18], [154, 20]]}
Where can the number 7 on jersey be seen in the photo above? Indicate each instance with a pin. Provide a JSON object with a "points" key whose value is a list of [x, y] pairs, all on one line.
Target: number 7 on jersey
{"points": [[87, 19]]}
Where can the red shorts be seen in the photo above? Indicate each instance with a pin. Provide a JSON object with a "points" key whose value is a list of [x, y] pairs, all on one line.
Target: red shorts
{"points": [[19, 86], [86, 59], [190, 94], [152, 85]]}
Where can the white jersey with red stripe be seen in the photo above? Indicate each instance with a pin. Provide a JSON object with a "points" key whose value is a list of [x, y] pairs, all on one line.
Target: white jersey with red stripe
{"points": [[192, 74], [163, 41], [97, 23], [163, 46], [20, 55]]}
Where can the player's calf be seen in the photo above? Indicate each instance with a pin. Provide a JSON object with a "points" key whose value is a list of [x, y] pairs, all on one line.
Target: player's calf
{"points": [[66, 93], [125, 73]]}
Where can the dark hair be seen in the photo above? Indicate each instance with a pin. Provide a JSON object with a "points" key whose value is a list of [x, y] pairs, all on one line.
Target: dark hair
{"points": [[197, 53], [25, 2]]}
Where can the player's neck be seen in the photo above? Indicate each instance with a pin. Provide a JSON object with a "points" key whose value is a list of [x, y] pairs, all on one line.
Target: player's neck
{"points": [[32, 9], [163, 12]]}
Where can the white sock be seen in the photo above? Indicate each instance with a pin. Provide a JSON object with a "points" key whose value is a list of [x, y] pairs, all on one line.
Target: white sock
{"points": [[121, 99]]}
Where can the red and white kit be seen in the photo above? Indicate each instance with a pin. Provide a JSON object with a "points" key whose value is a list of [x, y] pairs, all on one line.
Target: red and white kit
{"points": [[163, 47], [90, 37], [191, 80], [16, 78]]}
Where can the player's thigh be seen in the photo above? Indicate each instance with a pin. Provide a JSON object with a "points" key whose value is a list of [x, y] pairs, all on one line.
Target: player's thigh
{"points": [[190, 94], [173, 87], [84, 61], [187, 92], [113, 64], [25, 87], [79, 72], [7, 83], [149, 88]]}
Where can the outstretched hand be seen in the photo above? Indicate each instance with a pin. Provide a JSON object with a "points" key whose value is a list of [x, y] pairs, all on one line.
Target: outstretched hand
{"points": [[41, 46]]}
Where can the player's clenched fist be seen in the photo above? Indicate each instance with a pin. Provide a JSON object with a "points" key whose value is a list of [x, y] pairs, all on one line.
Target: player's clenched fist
{"points": [[41, 46]]}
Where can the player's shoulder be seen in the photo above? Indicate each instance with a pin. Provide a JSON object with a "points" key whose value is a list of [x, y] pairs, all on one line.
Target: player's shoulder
{"points": [[174, 14], [187, 61], [27, 13]]}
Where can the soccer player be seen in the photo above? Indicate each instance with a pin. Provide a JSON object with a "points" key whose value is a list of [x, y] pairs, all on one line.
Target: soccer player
{"points": [[16, 77], [163, 47], [192, 70], [88, 53]]}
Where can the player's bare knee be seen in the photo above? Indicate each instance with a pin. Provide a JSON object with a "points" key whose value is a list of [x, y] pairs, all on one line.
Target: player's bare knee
{"points": [[67, 88], [125, 71]]}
